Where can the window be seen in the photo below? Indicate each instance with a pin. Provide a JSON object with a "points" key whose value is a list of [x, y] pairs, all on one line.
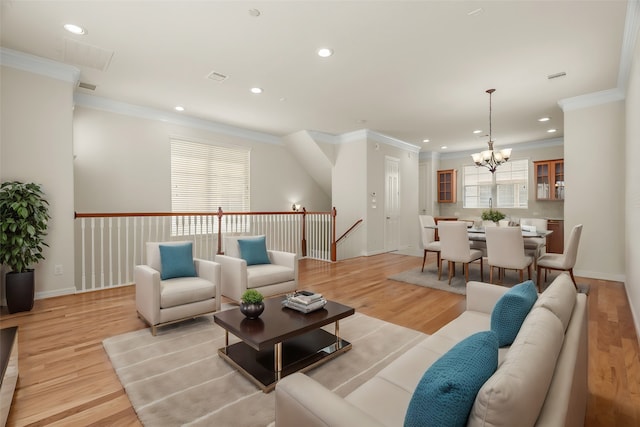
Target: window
{"points": [[512, 184], [510, 179], [205, 177], [477, 183]]}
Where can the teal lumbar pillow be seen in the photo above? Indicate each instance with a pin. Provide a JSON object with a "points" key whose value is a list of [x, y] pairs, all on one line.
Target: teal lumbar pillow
{"points": [[254, 250], [446, 393], [511, 310], [177, 261]]}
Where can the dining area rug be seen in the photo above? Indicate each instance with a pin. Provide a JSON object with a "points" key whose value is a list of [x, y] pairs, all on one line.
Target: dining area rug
{"points": [[429, 277], [177, 378]]}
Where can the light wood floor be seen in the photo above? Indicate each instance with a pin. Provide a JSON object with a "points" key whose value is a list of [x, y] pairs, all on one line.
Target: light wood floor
{"points": [[66, 378]]}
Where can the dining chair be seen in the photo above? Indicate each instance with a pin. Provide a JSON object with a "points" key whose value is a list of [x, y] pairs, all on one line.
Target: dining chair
{"points": [[564, 261], [454, 247], [505, 250], [429, 242], [535, 246]]}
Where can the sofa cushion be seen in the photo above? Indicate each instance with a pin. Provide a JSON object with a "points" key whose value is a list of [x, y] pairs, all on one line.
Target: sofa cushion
{"points": [[185, 290], [177, 261], [254, 250], [559, 298], [515, 393], [447, 390], [510, 311], [268, 274]]}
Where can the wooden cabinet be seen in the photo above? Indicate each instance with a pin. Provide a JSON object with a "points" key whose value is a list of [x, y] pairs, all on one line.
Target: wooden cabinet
{"points": [[549, 179], [555, 241], [447, 186]]}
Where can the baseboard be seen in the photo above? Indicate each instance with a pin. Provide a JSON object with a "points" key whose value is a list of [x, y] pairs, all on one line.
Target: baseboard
{"points": [[56, 293], [601, 276]]}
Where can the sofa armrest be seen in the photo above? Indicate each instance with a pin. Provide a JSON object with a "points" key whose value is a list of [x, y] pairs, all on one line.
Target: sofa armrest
{"points": [[302, 401], [233, 276], [483, 296], [212, 272], [147, 282], [287, 259]]}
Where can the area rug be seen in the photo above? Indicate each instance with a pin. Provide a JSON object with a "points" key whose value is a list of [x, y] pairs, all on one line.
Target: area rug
{"points": [[176, 378], [429, 278]]}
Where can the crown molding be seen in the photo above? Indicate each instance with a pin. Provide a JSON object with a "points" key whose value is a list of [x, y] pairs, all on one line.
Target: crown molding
{"points": [[110, 105], [629, 39], [37, 65], [591, 99], [530, 145], [367, 134]]}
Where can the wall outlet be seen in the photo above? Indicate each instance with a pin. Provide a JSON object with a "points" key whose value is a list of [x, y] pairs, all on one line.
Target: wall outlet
{"points": [[58, 270]]}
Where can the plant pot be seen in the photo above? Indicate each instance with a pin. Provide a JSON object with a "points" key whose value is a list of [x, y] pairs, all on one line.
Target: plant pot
{"points": [[20, 291], [252, 311]]}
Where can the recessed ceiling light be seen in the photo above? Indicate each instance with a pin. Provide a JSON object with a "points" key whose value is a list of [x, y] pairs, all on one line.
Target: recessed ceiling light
{"points": [[444, 147], [255, 12], [477, 131], [551, 130], [179, 108], [475, 12], [544, 119], [325, 52], [256, 90], [75, 29], [425, 140]]}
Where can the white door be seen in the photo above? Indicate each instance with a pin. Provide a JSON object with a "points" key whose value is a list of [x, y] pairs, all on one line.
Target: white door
{"points": [[392, 204]]}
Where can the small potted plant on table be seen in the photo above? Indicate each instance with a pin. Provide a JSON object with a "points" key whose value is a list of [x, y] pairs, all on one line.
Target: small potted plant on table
{"points": [[251, 304], [493, 216]]}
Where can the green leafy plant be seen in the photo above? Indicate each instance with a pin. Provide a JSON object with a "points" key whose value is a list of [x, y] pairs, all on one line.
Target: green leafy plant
{"points": [[251, 296], [492, 215], [24, 213]]}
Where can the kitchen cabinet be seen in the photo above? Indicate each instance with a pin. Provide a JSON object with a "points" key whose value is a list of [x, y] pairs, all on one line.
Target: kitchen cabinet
{"points": [[555, 241], [447, 186], [549, 179]]}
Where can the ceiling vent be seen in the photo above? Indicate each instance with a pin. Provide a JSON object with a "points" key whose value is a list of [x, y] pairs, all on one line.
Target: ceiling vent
{"points": [[556, 75], [86, 55], [88, 86], [218, 77]]}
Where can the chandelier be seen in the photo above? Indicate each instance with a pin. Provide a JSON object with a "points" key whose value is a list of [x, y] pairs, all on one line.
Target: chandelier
{"points": [[489, 158]]}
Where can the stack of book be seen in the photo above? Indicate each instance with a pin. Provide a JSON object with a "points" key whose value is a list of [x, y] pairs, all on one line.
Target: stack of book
{"points": [[305, 303]]}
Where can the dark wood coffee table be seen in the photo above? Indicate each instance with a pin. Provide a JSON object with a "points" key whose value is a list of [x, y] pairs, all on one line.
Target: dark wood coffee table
{"points": [[281, 341]]}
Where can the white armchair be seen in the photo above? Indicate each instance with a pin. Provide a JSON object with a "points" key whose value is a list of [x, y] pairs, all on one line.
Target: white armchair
{"points": [[180, 295], [278, 276]]}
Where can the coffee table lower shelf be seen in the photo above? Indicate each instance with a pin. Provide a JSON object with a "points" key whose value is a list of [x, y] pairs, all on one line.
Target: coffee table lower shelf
{"points": [[298, 354]]}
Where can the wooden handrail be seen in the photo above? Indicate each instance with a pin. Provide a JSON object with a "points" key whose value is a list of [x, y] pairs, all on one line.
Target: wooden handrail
{"points": [[349, 230]]}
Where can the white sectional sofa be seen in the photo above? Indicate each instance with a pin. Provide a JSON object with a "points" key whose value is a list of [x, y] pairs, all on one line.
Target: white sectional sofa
{"points": [[541, 378]]}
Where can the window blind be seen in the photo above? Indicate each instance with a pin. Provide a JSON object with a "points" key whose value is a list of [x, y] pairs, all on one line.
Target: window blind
{"points": [[207, 176]]}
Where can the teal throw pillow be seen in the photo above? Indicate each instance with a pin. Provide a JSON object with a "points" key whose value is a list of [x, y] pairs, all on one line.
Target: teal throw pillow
{"points": [[446, 393], [254, 250], [177, 261], [511, 310]]}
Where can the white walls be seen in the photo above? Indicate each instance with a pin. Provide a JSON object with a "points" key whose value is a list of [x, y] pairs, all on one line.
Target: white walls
{"points": [[632, 194], [595, 187], [37, 147], [349, 195], [122, 164]]}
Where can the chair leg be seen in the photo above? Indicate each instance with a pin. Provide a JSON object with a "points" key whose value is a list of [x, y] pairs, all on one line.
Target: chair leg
{"points": [[439, 270], [439, 260], [466, 271], [573, 278], [529, 271], [452, 266], [154, 330], [539, 278], [481, 270], [490, 274], [521, 275], [424, 259]]}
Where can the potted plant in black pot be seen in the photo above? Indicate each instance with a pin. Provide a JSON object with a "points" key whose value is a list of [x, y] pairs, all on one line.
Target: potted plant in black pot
{"points": [[24, 213], [251, 304]]}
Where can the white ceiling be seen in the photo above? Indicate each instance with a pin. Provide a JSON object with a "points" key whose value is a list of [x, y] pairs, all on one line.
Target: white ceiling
{"points": [[407, 69]]}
